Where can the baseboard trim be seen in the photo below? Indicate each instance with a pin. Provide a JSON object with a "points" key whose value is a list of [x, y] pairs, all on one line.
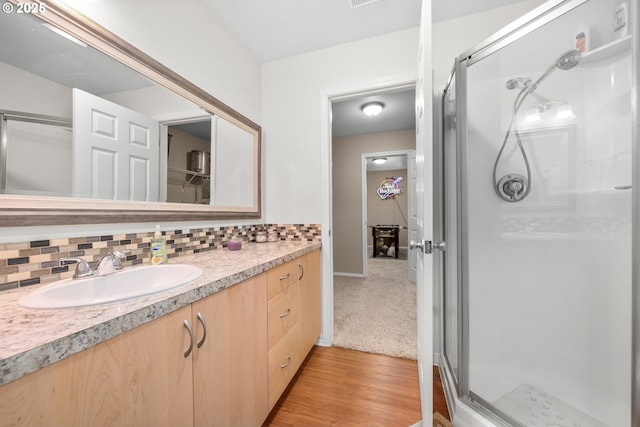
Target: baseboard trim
{"points": [[337, 273]]}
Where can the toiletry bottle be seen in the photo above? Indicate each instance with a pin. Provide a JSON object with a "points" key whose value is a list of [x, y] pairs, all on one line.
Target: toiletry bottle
{"points": [[620, 20], [158, 252], [583, 40]]}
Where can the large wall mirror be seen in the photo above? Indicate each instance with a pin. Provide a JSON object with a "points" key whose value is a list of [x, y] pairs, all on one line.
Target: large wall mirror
{"points": [[92, 130]]}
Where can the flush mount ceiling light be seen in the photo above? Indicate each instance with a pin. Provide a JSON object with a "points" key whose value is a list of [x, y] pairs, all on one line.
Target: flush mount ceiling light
{"points": [[372, 109], [379, 160], [63, 34]]}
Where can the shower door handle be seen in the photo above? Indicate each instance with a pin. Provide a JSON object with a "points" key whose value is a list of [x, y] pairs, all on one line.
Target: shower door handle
{"points": [[442, 246]]}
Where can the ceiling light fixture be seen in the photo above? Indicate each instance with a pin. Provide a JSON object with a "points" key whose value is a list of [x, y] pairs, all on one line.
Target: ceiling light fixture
{"points": [[379, 160], [60, 32], [372, 109]]}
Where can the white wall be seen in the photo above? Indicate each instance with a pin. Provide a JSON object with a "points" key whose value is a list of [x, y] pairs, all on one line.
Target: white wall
{"points": [[292, 92], [26, 92], [49, 172]]}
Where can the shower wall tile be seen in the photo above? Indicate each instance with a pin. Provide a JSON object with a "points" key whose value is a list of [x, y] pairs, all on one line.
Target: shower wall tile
{"points": [[35, 262]]}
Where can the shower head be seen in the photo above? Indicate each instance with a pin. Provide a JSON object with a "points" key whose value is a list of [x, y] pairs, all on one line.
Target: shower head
{"points": [[569, 59], [566, 61], [517, 81]]}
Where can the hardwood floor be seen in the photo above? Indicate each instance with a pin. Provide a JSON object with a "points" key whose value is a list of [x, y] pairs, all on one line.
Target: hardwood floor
{"points": [[339, 387], [439, 401]]}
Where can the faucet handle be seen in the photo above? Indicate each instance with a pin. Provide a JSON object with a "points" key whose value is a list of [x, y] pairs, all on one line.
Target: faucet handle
{"points": [[116, 256], [82, 267]]}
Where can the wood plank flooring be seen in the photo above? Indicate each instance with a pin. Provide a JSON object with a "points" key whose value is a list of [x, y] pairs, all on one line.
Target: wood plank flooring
{"points": [[340, 387], [439, 401]]}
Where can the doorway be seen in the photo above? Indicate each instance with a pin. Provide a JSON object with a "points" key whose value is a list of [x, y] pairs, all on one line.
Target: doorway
{"points": [[374, 305], [388, 207]]}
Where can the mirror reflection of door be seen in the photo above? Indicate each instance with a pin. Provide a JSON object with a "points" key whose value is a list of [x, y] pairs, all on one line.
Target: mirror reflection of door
{"points": [[116, 151]]}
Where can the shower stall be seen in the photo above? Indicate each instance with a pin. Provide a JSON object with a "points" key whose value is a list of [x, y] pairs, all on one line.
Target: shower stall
{"points": [[539, 198]]}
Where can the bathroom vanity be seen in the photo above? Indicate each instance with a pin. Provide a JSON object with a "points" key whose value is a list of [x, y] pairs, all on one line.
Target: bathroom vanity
{"points": [[218, 351]]}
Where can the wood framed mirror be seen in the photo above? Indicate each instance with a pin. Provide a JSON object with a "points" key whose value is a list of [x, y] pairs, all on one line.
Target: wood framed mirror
{"points": [[195, 159]]}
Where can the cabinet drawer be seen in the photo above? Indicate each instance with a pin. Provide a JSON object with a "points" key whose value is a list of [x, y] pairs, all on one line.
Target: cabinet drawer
{"points": [[281, 277], [283, 313], [284, 360]]}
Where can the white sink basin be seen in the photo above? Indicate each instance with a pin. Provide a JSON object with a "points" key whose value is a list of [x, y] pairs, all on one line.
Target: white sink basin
{"points": [[128, 283]]}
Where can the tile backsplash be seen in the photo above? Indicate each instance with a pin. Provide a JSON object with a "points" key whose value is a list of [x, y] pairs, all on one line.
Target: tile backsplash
{"points": [[30, 263]]}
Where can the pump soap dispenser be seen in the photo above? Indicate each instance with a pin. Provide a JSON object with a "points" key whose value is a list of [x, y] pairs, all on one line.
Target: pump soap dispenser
{"points": [[158, 252]]}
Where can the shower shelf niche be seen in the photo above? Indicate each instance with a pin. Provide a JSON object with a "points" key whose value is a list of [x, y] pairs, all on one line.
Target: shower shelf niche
{"points": [[606, 52]]}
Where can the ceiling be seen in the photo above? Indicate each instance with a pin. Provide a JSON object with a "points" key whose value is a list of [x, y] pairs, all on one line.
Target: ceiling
{"points": [[275, 30], [30, 46], [347, 118]]}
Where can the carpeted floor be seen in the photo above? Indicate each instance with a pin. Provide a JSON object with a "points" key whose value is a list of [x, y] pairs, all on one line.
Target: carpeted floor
{"points": [[377, 314]]}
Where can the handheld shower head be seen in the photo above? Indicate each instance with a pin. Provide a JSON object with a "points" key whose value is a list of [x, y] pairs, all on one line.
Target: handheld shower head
{"points": [[566, 61], [514, 187], [516, 82]]}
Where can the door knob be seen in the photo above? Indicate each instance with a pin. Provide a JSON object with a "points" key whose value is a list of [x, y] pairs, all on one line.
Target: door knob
{"points": [[427, 246], [417, 245]]}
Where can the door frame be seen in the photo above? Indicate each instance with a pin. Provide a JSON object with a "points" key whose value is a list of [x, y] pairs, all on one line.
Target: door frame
{"points": [[327, 97]]}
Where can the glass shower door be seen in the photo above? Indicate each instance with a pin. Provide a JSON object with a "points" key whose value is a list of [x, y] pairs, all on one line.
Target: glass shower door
{"points": [[449, 226], [546, 224]]}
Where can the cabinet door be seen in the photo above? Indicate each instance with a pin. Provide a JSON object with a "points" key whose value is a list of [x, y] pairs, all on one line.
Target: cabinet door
{"points": [[230, 368], [311, 299], [138, 378]]}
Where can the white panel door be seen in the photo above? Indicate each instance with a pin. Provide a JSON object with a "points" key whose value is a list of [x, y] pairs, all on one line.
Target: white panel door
{"points": [[116, 151], [424, 216]]}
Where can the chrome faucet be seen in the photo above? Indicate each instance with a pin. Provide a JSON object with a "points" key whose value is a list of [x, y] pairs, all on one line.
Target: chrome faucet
{"points": [[108, 264]]}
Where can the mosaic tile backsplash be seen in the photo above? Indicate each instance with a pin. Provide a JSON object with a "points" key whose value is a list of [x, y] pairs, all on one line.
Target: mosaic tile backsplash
{"points": [[30, 263]]}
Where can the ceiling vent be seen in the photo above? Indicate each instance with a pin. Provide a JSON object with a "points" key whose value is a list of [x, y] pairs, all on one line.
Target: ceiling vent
{"points": [[358, 3]]}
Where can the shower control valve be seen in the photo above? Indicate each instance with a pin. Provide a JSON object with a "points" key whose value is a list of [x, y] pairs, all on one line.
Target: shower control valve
{"points": [[512, 187]]}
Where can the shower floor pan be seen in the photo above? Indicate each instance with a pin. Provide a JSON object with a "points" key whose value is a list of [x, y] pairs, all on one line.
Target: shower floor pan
{"points": [[535, 408]]}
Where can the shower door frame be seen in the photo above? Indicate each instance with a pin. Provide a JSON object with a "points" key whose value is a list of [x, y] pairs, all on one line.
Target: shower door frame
{"points": [[535, 19]]}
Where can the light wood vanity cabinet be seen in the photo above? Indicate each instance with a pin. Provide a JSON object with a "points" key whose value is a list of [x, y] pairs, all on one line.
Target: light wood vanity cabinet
{"points": [[143, 378], [293, 318], [139, 378], [230, 368]]}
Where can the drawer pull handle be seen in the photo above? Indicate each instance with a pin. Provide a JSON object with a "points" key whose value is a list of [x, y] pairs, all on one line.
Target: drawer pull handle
{"points": [[301, 271], [288, 313], [285, 277], [204, 327], [188, 326], [287, 363]]}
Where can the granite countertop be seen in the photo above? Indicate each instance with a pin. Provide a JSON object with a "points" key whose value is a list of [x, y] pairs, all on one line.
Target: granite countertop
{"points": [[32, 339]]}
